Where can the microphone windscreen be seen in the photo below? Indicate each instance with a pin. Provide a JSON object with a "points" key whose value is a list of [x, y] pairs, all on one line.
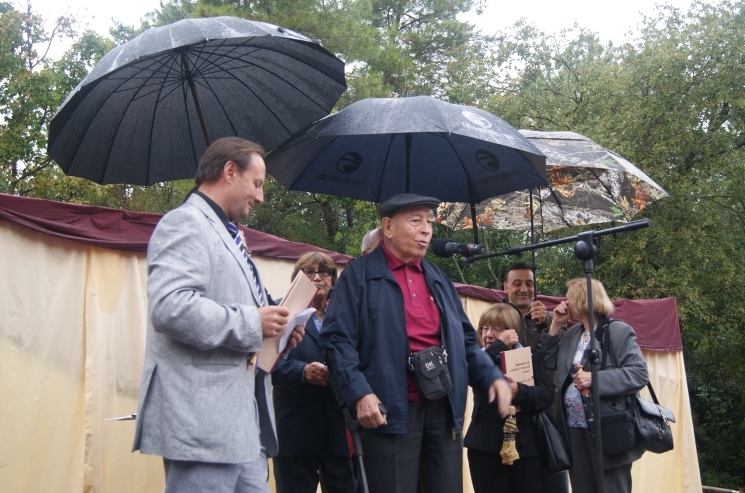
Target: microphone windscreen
{"points": [[438, 247]]}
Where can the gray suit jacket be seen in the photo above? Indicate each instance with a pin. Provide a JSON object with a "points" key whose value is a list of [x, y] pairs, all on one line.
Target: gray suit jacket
{"points": [[627, 377], [197, 400]]}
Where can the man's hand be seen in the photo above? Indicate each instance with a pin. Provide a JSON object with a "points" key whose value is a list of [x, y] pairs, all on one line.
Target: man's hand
{"points": [[538, 312], [274, 319], [368, 412], [297, 335], [561, 317], [316, 373], [501, 391]]}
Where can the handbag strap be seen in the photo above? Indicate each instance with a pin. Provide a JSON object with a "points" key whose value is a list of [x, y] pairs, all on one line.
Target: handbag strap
{"points": [[606, 344]]}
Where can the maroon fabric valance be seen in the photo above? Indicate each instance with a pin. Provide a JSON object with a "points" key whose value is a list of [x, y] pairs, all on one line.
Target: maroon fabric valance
{"points": [[124, 230], [655, 321]]}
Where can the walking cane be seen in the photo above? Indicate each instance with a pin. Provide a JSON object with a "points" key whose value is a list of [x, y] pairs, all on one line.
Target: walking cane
{"points": [[353, 425]]}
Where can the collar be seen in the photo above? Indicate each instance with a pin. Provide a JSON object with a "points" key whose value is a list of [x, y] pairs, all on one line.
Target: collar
{"points": [[218, 210], [396, 263]]}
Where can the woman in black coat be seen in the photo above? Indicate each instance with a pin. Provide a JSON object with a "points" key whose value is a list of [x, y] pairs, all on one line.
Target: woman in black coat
{"points": [[499, 330], [310, 427]]}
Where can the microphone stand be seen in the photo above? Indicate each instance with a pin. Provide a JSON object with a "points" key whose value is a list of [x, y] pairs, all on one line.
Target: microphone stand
{"points": [[585, 249]]}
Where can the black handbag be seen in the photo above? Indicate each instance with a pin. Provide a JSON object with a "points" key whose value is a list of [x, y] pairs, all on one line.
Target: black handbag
{"points": [[653, 424], [618, 431], [555, 453], [650, 422], [430, 370]]}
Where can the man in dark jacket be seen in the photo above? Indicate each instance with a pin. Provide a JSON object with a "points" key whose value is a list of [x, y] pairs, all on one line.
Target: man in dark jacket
{"points": [[387, 305], [519, 284]]}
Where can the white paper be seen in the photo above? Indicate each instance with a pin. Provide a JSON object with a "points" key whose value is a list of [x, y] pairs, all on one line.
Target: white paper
{"points": [[299, 319], [128, 417]]}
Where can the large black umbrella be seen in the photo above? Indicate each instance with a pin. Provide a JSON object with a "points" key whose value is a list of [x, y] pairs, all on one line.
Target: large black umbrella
{"points": [[377, 148], [149, 107]]}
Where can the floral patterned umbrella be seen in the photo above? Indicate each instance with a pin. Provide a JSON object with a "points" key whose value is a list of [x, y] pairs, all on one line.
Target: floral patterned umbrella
{"points": [[588, 184]]}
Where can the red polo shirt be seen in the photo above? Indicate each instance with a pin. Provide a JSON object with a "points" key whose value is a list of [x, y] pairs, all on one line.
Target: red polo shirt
{"points": [[420, 311]]}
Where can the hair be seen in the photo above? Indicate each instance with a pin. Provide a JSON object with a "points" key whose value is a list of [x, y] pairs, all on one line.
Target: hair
{"points": [[518, 266], [577, 297], [310, 258], [502, 314], [220, 152], [371, 240]]}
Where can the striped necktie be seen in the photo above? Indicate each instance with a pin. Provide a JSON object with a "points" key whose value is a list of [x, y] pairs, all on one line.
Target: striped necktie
{"points": [[238, 239]]}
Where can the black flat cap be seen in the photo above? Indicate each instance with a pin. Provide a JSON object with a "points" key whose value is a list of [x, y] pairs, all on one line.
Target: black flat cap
{"points": [[403, 200]]}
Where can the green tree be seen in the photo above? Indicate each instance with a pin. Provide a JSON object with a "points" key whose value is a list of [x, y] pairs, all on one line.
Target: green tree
{"points": [[671, 102], [32, 86]]}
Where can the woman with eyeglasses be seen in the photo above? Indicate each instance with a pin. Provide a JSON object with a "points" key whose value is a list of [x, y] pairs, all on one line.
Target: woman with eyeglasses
{"points": [[310, 426], [499, 330]]}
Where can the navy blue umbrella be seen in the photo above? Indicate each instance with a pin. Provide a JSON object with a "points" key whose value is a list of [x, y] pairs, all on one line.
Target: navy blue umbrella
{"points": [[149, 108], [377, 148]]}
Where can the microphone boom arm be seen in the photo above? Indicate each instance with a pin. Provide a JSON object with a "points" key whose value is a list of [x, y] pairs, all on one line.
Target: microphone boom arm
{"points": [[642, 223]]}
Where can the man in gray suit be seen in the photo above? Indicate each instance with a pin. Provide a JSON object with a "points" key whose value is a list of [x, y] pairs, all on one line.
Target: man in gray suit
{"points": [[203, 406]]}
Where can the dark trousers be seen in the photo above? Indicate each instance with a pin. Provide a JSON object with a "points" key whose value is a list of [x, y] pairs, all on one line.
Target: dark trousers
{"points": [[428, 453], [489, 475], [582, 472], [302, 473], [555, 482]]}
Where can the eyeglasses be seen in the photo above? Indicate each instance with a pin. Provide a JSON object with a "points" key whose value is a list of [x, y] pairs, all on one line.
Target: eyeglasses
{"points": [[496, 330], [325, 273]]}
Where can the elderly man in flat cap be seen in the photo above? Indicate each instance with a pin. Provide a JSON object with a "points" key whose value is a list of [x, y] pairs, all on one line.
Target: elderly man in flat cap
{"points": [[388, 306]]}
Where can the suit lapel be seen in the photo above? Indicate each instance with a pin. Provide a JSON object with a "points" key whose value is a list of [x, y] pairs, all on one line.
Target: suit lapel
{"points": [[230, 244]]}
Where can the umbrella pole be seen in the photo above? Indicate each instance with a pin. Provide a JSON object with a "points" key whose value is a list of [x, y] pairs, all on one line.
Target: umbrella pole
{"points": [[475, 228], [407, 140], [193, 90], [473, 214], [532, 242]]}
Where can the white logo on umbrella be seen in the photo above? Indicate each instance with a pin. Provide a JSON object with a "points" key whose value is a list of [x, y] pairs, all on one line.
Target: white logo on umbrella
{"points": [[477, 119]]}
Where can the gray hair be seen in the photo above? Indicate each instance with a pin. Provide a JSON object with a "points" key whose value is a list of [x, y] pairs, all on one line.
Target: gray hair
{"points": [[371, 240]]}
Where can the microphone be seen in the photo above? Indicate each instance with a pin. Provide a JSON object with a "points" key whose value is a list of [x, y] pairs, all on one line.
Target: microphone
{"points": [[445, 247]]}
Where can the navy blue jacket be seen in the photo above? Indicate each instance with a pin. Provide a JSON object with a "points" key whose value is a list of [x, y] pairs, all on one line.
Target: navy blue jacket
{"points": [[307, 415], [365, 327]]}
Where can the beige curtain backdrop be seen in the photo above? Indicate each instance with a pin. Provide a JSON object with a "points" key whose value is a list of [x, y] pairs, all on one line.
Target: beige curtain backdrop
{"points": [[72, 337]]}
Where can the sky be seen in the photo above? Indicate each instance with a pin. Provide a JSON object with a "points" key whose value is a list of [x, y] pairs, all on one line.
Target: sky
{"points": [[610, 20]]}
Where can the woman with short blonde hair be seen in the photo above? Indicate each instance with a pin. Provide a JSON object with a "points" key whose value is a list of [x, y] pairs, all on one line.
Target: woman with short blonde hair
{"points": [[624, 373]]}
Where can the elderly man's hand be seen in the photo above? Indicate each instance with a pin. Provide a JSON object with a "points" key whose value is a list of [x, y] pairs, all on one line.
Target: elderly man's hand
{"points": [[368, 411], [500, 391]]}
